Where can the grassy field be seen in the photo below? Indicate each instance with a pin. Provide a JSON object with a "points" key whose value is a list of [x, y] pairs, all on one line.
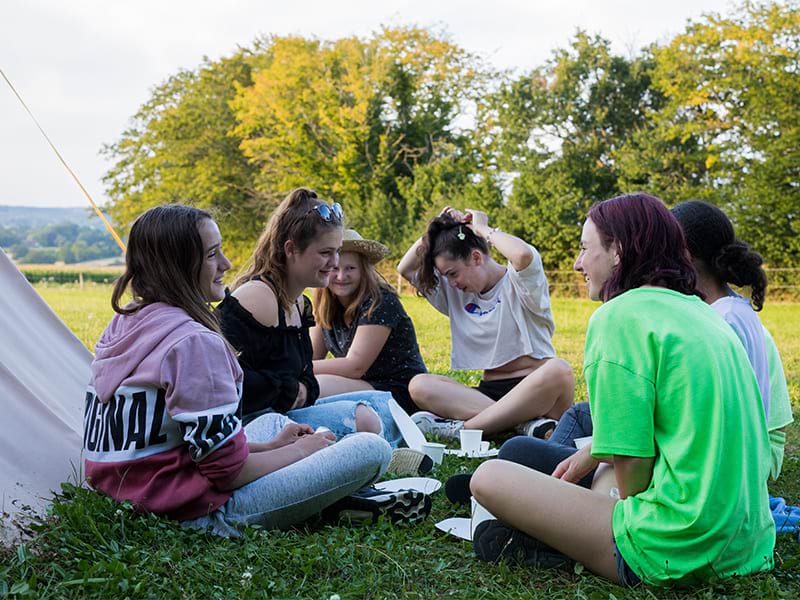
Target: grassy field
{"points": [[93, 547]]}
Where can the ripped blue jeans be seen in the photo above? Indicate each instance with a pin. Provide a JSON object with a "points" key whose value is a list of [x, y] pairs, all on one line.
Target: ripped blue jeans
{"points": [[338, 413]]}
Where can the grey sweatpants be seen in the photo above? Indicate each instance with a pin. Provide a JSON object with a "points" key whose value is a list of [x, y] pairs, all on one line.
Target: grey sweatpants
{"points": [[296, 492]]}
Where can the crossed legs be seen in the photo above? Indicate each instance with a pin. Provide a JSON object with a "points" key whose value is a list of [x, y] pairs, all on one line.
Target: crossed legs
{"points": [[570, 518], [547, 391]]}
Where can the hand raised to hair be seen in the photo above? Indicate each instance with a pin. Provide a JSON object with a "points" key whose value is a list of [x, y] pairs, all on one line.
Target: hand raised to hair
{"points": [[456, 214], [479, 221]]}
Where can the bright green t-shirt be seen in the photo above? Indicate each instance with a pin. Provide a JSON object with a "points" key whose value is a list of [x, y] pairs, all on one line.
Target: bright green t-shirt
{"points": [[669, 379], [780, 411]]}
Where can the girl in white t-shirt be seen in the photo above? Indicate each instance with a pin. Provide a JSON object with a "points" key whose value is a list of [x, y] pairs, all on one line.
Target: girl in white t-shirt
{"points": [[721, 259], [500, 322]]}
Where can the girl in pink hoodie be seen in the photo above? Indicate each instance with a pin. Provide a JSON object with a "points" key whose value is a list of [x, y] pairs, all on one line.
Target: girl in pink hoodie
{"points": [[162, 427]]}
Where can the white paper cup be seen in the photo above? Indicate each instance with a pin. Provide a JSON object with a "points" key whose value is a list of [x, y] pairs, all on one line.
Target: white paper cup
{"points": [[435, 451], [582, 441], [484, 447], [471, 440], [479, 515]]}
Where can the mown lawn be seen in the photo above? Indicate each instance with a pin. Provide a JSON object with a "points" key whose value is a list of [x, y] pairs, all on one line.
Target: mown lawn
{"points": [[93, 547]]}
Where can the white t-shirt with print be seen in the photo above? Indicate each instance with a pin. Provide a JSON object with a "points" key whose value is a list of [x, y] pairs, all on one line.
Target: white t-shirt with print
{"points": [[512, 319]]}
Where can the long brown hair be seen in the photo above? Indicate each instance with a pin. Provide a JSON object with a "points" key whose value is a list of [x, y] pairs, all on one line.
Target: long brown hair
{"points": [[327, 306], [449, 237], [163, 263], [288, 222]]}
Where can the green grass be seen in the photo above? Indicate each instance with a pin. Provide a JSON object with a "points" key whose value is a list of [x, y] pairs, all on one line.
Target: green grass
{"points": [[94, 547]]}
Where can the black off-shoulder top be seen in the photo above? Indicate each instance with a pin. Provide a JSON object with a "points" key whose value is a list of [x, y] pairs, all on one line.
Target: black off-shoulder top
{"points": [[274, 359]]}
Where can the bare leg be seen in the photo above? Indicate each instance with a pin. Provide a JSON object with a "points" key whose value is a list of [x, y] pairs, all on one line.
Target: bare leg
{"points": [[446, 397], [546, 392], [571, 519], [331, 385], [367, 419]]}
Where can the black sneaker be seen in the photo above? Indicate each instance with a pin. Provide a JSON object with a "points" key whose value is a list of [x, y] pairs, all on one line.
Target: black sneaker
{"points": [[367, 505], [494, 541], [456, 488]]}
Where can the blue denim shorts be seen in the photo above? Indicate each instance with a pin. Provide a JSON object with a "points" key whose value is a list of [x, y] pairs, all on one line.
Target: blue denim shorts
{"points": [[627, 577]]}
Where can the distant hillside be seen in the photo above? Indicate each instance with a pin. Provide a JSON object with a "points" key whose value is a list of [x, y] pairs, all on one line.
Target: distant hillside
{"points": [[28, 217], [52, 235]]}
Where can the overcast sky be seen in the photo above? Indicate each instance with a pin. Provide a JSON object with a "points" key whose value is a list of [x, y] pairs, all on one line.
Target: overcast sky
{"points": [[85, 66]]}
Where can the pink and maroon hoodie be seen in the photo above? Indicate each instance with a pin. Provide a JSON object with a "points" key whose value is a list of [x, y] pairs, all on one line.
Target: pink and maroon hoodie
{"points": [[161, 427]]}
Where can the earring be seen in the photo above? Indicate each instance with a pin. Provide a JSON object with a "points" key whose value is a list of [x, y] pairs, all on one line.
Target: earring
{"points": [[460, 235]]}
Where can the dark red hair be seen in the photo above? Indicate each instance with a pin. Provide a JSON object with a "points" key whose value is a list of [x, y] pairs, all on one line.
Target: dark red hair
{"points": [[650, 243]]}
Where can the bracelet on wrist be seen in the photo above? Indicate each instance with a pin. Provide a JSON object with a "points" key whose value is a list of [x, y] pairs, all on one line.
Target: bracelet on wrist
{"points": [[489, 235]]}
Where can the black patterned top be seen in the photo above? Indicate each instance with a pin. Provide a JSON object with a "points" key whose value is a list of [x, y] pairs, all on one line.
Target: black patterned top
{"points": [[399, 359]]}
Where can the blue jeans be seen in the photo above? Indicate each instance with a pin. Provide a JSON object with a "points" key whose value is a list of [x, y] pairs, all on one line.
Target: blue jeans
{"points": [[338, 413], [544, 455], [301, 490], [576, 422]]}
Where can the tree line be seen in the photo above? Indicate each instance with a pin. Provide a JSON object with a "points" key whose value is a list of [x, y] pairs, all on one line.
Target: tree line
{"points": [[56, 242], [399, 124]]}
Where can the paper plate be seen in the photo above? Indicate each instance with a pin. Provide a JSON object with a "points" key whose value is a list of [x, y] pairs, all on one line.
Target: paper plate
{"points": [[461, 453], [411, 434], [457, 526], [426, 485]]}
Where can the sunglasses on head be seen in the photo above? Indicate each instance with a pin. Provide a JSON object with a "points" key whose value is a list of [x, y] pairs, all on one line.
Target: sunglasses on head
{"points": [[328, 212]]}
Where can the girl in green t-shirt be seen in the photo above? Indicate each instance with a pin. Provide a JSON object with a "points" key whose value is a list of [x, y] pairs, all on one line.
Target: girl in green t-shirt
{"points": [[666, 380]]}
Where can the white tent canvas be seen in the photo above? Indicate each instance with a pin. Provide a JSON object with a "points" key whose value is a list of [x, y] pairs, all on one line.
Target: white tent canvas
{"points": [[44, 370]]}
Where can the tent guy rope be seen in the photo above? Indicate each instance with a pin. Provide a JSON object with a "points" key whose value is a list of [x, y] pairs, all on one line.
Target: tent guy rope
{"points": [[97, 210]]}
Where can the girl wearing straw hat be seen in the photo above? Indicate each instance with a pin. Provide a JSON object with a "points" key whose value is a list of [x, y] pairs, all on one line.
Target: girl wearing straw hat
{"points": [[362, 323]]}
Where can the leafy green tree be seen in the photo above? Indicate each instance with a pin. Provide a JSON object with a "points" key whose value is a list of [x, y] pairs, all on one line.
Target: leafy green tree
{"points": [[358, 119], [729, 129], [561, 129], [353, 119], [181, 147]]}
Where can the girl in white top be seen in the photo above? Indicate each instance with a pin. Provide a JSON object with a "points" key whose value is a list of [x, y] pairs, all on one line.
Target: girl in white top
{"points": [[721, 258], [500, 322]]}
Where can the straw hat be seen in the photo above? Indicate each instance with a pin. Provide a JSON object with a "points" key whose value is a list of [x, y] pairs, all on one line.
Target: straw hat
{"points": [[353, 242]]}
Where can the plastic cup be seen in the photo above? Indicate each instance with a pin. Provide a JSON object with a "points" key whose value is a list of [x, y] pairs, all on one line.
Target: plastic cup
{"points": [[479, 515], [435, 451], [484, 447], [471, 440], [582, 441]]}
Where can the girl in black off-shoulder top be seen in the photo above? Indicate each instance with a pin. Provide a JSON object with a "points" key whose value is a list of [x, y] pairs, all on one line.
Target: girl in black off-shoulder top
{"points": [[274, 359]]}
